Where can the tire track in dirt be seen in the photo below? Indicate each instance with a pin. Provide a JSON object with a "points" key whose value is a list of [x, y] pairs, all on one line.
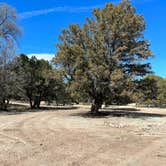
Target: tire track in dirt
{"points": [[30, 132], [56, 138], [10, 132], [141, 156], [13, 139]]}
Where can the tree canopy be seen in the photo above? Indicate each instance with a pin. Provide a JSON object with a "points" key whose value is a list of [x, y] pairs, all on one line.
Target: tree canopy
{"points": [[104, 55], [151, 91], [37, 81]]}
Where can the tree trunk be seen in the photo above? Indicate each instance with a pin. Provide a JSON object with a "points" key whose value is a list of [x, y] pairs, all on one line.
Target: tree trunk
{"points": [[37, 101], [3, 104], [38, 104], [96, 105], [29, 94], [31, 104]]}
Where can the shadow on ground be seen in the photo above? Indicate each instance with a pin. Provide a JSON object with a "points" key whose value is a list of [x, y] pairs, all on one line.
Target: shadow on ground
{"points": [[119, 112], [122, 109], [15, 109]]}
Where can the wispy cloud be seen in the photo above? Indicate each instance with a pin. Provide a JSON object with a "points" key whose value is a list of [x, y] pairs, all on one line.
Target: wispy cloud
{"points": [[45, 56], [30, 14], [69, 9]]}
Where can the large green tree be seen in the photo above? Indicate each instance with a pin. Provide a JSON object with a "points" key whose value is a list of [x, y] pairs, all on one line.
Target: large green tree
{"points": [[36, 80], [102, 58], [9, 32]]}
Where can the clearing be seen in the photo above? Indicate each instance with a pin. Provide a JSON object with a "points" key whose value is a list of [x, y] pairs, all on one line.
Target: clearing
{"points": [[70, 137]]}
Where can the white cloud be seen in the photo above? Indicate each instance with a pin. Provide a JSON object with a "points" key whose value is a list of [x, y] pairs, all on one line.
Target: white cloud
{"points": [[45, 56]]}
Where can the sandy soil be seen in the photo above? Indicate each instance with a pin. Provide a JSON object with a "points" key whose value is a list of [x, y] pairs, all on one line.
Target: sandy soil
{"points": [[122, 136]]}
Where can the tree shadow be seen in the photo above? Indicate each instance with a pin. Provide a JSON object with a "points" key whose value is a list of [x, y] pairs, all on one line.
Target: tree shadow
{"points": [[122, 109], [128, 113], [16, 109]]}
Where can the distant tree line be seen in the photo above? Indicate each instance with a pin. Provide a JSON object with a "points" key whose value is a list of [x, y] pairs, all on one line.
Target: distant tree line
{"points": [[100, 62]]}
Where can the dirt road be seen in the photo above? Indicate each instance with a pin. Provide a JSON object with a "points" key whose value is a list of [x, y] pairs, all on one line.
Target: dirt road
{"points": [[71, 138]]}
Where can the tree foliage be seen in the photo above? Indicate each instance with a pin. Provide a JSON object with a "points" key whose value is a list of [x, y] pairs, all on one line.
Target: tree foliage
{"points": [[152, 91], [102, 58], [37, 81]]}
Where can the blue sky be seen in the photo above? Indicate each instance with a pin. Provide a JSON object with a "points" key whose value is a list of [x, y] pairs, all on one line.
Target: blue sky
{"points": [[42, 22]]}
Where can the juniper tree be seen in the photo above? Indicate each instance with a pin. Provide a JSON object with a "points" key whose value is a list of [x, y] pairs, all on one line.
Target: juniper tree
{"points": [[105, 54], [36, 80], [151, 90]]}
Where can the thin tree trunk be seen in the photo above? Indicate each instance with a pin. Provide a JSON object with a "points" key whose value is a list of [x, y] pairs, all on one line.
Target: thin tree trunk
{"points": [[31, 104], [29, 94], [38, 104]]}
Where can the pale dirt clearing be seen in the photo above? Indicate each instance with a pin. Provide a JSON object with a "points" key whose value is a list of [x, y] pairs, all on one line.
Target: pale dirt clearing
{"points": [[71, 138]]}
